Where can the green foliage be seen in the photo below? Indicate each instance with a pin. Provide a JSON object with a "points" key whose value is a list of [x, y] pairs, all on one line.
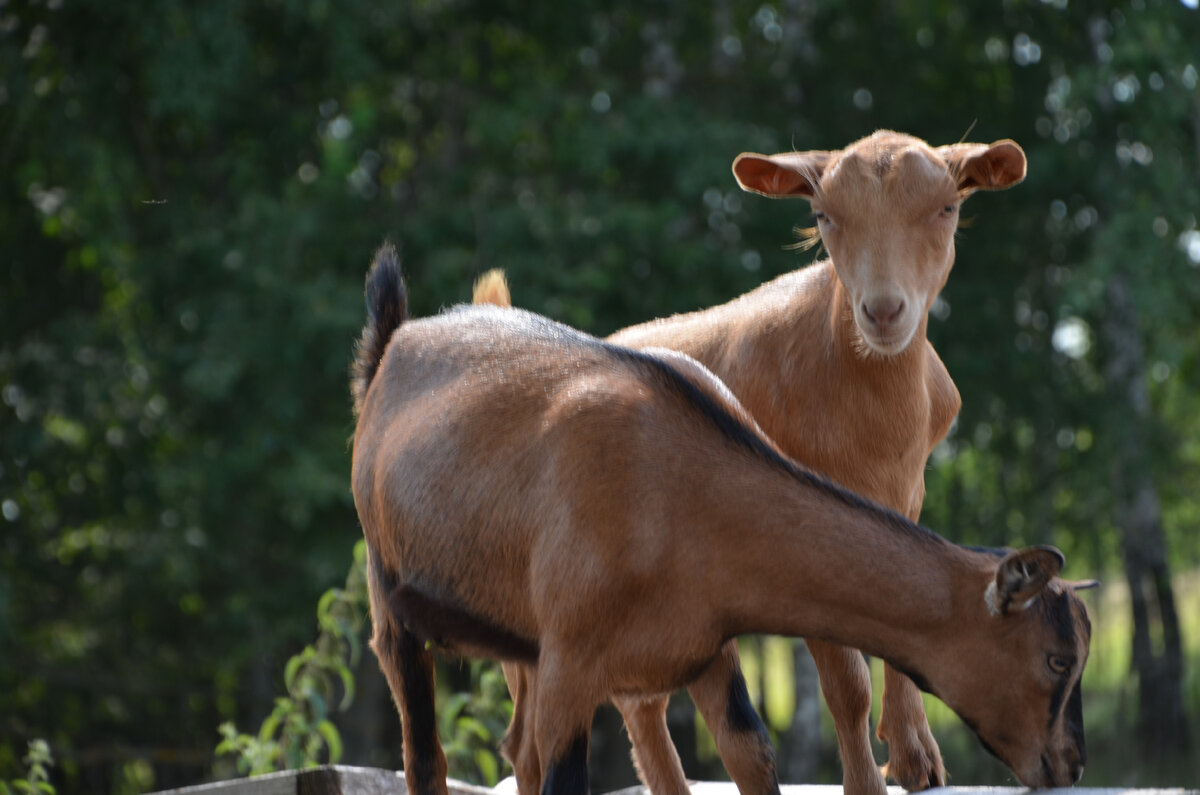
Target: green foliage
{"points": [[299, 732], [38, 762], [187, 219], [472, 722]]}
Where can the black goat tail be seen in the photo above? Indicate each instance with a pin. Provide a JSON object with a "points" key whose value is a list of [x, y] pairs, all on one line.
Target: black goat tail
{"points": [[387, 308]]}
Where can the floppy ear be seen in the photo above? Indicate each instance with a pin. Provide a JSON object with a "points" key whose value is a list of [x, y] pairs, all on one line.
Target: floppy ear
{"points": [[1021, 576], [984, 166], [784, 176]]}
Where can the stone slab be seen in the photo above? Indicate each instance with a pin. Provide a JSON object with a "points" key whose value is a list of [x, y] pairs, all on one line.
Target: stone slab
{"points": [[344, 780]]}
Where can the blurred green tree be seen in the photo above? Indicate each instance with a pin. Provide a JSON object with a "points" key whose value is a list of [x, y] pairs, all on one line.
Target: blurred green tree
{"points": [[191, 193]]}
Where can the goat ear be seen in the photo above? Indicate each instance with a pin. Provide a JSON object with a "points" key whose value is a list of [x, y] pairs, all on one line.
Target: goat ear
{"points": [[984, 166], [1021, 576], [784, 176]]}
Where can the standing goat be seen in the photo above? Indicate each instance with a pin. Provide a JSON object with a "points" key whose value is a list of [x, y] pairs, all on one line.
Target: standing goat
{"points": [[610, 519], [833, 363]]}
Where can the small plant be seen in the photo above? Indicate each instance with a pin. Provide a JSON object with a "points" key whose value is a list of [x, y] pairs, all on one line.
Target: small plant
{"points": [[38, 762], [298, 731], [472, 723]]}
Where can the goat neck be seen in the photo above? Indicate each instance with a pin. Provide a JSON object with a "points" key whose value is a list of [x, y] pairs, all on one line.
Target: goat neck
{"points": [[828, 565]]}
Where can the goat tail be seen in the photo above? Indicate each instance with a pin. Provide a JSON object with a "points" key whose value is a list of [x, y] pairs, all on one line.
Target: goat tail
{"points": [[491, 288], [387, 308]]}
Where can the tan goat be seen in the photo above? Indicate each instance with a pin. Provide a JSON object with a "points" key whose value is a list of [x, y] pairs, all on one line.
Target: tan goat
{"points": [[611, 518], [833, 363]]}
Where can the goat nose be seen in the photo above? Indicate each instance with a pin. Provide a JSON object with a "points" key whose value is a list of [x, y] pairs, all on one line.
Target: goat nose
{"points": [[883, 311]]}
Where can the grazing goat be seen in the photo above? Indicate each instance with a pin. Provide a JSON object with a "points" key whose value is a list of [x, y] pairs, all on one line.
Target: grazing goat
{"points": [[833, 363], [611, 518]]}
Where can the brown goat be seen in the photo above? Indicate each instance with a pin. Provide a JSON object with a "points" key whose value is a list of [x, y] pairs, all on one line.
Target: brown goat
{"points": [[610, 519], [833, 363]]}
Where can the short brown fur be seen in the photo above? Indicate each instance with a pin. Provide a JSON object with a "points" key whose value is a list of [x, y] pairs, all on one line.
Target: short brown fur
{"points": [[834, 364], [621, 513]]}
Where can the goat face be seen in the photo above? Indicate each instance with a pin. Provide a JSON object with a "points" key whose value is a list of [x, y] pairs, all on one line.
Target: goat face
{"points": [[886, 209], [1032, 645]]}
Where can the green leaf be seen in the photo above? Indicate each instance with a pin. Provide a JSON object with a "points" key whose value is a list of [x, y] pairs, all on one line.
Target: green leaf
{"points": [[347, 677], [328, 599], [489, 768], [319, 708], [333, 739], [473, 727], [270, 725], [294, 665], [454, 705]]}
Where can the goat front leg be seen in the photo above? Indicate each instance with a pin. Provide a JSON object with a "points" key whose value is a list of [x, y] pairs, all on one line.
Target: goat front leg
{"points": [[741, 738], [519, 746], [846, 683], [914, 761], [654, 754], [562, 714]]}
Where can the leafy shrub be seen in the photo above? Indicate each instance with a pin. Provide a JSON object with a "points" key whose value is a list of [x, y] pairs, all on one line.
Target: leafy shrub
{"points": [[38, 762]]}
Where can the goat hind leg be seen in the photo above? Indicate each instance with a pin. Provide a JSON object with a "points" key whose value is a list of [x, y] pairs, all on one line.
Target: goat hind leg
{"points": [[408, 667], [914, 760], [520, 745], [741, 738]]}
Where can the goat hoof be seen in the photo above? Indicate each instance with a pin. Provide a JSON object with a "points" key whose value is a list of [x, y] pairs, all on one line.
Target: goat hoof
{"points": [[915, 768]]}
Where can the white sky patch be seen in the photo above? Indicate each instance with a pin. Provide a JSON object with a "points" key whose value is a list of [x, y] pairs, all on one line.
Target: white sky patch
{"points": [[1072, 337], [1189, 241]]}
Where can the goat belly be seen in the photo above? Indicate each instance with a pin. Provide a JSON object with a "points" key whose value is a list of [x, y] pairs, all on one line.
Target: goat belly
{"points": [[457, 630]]}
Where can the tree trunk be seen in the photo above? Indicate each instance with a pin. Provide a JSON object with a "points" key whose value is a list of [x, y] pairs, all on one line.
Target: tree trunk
{"points": [[800, 745], [1157, 654]]}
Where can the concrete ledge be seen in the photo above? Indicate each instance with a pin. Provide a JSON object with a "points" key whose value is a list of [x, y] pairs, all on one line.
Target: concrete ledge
{"points": [[342, 780], [325, 780]]}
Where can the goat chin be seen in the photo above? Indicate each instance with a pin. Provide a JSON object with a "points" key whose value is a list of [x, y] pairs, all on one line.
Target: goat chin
{"points": [[884, 346]]}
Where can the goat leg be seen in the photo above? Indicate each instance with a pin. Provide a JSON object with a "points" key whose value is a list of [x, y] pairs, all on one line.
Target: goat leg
{"points": [[654, 754], [846, 683], [741, 738], [914, 761]]}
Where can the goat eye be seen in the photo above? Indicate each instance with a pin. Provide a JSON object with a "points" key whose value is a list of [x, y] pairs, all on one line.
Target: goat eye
{"points": [[1060, 665], [820, 216], [949, 209]]}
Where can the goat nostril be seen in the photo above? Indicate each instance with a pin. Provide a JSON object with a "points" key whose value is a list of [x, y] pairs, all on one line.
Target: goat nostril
{"points": [[883, 312]]}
